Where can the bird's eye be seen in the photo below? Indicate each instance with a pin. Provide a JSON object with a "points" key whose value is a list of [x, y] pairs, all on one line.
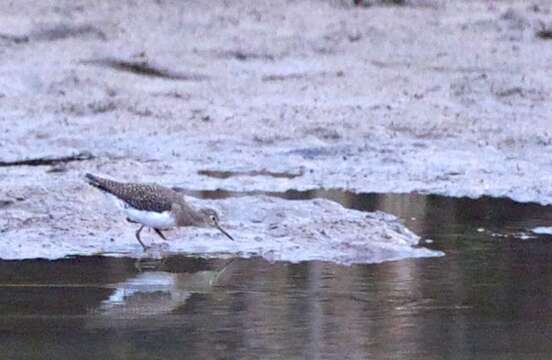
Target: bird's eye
{"points": [[213, 218]]}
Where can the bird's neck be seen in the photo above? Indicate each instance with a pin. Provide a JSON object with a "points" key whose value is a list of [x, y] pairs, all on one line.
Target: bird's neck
{"points": [[186, 215]]}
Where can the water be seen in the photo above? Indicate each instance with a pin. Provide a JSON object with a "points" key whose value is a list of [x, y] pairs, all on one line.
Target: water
{"points": [[489, 297]]}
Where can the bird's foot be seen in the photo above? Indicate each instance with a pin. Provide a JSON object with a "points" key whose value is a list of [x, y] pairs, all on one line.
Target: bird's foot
{"points": [[156, 251]]}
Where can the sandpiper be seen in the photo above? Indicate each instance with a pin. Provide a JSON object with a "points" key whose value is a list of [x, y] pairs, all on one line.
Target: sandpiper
{"points": [[155, 206]]}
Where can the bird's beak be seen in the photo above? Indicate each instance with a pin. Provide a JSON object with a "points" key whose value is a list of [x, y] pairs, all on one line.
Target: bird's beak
{"points": [[224, 232]]}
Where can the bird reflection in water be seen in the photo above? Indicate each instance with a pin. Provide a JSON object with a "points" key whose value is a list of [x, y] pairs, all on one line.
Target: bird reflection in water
{"points": [[156, 291]]}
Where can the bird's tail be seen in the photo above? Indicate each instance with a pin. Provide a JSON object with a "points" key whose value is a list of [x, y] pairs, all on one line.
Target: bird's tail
{"points": [[101, 183]]}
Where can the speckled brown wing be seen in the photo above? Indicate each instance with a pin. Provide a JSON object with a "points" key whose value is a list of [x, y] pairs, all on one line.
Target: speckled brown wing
{"points": [[147, 197]]}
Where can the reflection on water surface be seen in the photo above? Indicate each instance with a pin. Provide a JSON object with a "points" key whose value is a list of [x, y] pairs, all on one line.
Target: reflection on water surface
{"points": [[489, 296]]}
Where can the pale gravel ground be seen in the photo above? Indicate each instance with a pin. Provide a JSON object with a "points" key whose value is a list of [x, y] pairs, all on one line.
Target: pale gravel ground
{"points": [[276, 229], [448, 97]]}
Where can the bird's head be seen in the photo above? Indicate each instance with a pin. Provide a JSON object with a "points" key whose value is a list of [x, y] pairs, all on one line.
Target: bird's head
{"points": [[211, 218]]}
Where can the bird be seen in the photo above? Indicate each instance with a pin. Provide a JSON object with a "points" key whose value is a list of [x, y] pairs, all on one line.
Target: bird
{"points": [[155, 206]]}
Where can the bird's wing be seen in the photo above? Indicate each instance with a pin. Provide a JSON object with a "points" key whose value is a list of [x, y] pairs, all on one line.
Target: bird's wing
{"points": [[147, 197]]}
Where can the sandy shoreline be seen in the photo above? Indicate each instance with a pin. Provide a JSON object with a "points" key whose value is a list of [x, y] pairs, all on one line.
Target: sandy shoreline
{"points": [[440, 97]]}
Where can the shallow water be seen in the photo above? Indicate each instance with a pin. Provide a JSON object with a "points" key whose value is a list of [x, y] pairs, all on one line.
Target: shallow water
{"points": [[489, 297]]}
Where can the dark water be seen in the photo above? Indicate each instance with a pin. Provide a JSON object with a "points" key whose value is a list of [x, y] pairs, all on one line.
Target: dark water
{"points": [[490, 297]]}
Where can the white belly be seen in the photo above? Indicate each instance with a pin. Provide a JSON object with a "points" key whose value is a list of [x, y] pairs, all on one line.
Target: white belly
{"points": [[164, 220]]}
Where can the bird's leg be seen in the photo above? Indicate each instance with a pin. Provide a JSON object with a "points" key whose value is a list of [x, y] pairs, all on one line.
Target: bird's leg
{"points": [[160, 233], [138, 237], [131, 221]]}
